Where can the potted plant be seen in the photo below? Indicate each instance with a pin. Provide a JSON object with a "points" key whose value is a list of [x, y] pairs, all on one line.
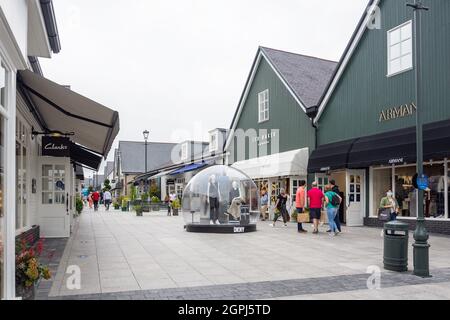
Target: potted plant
{"points": [[125, 204], [145, 202], [138, 210], [176, 205], [79, 205], [116, 206], [29, 272], [155, 203]]}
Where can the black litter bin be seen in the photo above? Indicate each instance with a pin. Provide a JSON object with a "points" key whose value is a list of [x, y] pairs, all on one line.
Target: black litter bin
{"points": [[396, 241]]}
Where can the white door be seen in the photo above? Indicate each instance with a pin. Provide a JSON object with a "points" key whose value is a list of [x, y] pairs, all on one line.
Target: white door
{"points": [[54, 188], [355, 197]]}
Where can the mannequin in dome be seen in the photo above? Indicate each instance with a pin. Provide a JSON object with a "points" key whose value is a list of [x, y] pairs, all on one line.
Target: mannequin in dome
{"points": [[236, 200], [213, 199]]}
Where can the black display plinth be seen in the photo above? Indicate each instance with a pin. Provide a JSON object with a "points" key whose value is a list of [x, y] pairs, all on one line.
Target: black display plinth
{"points": [[225, 228]]}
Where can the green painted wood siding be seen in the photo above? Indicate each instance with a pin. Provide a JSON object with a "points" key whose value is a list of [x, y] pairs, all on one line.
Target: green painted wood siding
{"points": [[295, 127], [365, 90]]}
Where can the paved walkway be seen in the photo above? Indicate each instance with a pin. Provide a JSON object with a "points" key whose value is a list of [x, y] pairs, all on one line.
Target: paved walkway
{"points": [[122, 256]]}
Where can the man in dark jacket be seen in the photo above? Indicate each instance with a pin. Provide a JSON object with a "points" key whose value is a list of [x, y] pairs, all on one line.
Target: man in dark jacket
{"points": [[336, 190]]}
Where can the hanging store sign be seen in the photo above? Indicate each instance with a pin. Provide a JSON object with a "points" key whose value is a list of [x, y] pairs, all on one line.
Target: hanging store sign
{"points": [[56, 147], [403, 111]]}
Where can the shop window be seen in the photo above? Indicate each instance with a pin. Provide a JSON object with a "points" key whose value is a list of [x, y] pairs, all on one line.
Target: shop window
{"points": [[263, 106], [21, 176], [405, 193], [382, 183], [53, 184], [400, 57], [434, 203]]}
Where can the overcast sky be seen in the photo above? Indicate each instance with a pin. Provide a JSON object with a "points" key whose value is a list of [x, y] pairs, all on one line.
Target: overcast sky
{"points": [[178, 67]]}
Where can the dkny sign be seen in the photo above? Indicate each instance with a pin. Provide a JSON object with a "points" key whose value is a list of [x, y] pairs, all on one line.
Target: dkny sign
{"points": [[56, 147]]}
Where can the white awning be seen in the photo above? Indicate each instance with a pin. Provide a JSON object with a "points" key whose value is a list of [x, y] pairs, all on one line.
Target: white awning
{"points": [[291, 163], [62, 110]]}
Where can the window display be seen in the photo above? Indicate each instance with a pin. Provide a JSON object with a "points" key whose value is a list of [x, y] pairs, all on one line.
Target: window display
{"points": [[382, 183], [220, 197]]}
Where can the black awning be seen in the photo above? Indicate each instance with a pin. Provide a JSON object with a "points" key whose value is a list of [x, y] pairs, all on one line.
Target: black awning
{"points": [[84, 157], [330, 156], [79, 172], [436, 138], [389, 148]]}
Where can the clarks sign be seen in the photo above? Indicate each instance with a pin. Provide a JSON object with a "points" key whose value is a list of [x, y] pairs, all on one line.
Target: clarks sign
{"points": [[398, 112], [56, 146]]}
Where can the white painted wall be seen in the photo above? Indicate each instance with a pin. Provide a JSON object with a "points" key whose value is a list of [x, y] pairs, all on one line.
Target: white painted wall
{"points": [[16, 13]]}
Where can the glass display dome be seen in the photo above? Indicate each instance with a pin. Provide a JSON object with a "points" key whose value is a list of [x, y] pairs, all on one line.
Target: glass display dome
{"points": [[221, 199]]}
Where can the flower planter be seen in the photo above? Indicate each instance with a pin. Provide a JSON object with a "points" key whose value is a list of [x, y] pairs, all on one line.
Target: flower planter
{"points": [[26, 293], [155, 207], [175, 212], [139, 213]]}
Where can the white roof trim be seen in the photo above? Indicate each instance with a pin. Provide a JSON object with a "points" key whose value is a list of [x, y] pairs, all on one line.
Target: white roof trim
{"points": [[247, 89], [346, 60]]}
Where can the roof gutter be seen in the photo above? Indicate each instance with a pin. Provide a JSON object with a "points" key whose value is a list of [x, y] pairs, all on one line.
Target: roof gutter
{"points": [[48, 12], [35, 65]]}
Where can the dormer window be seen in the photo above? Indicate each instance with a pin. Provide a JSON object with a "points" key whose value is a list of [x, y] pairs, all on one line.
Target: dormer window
{"points": [[184, 151], [214, 142]]}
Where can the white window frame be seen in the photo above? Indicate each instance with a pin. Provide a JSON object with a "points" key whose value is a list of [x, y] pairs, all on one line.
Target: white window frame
{"points": [[263, 106], [390, 45], [214, 146], [184, 151]]}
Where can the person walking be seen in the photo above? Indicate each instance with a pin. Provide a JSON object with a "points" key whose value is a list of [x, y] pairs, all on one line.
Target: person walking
{"points": [[172, 197], [96, 199], [389, 202], [90, 201], [264, 203], [281, 206], [107, 198], [337, 220], [167, 202], [333, 201], [315, 199], [300, 203]]}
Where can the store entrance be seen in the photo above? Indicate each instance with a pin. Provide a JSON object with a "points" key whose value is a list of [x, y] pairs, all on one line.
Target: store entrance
{"points": [[340, 179], [55, 197]]}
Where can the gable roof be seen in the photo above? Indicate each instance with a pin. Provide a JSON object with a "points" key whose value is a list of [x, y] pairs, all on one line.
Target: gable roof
{"points": [[132, 154], [305, 77], [109, 168], [348, 53]]}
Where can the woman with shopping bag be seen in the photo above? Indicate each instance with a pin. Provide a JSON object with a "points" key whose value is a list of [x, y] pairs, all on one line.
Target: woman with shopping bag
{"points": [[300, 203]]}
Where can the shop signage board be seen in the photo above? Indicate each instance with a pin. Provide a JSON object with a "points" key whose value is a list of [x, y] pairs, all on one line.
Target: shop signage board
{"points": [[56, 147], [421, 182], [403, 111]]}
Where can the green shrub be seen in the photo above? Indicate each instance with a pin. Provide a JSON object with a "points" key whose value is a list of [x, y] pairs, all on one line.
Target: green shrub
{"points": [[155, 199], [79, 205]]}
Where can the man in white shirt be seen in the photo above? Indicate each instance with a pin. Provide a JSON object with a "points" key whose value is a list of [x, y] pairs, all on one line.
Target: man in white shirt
{"points": [[107, 197]]}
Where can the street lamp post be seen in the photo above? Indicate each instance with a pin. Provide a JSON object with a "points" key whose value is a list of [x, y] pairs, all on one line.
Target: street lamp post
{"points": [[146, 133], [421, 246]]}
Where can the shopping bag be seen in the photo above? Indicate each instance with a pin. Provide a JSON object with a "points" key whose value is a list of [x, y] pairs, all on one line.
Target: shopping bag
{"points": [[303, 217]]}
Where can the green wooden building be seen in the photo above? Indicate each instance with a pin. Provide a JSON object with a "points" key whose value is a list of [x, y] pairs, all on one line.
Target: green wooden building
{"points": [[272, 134], [366, 115]]}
